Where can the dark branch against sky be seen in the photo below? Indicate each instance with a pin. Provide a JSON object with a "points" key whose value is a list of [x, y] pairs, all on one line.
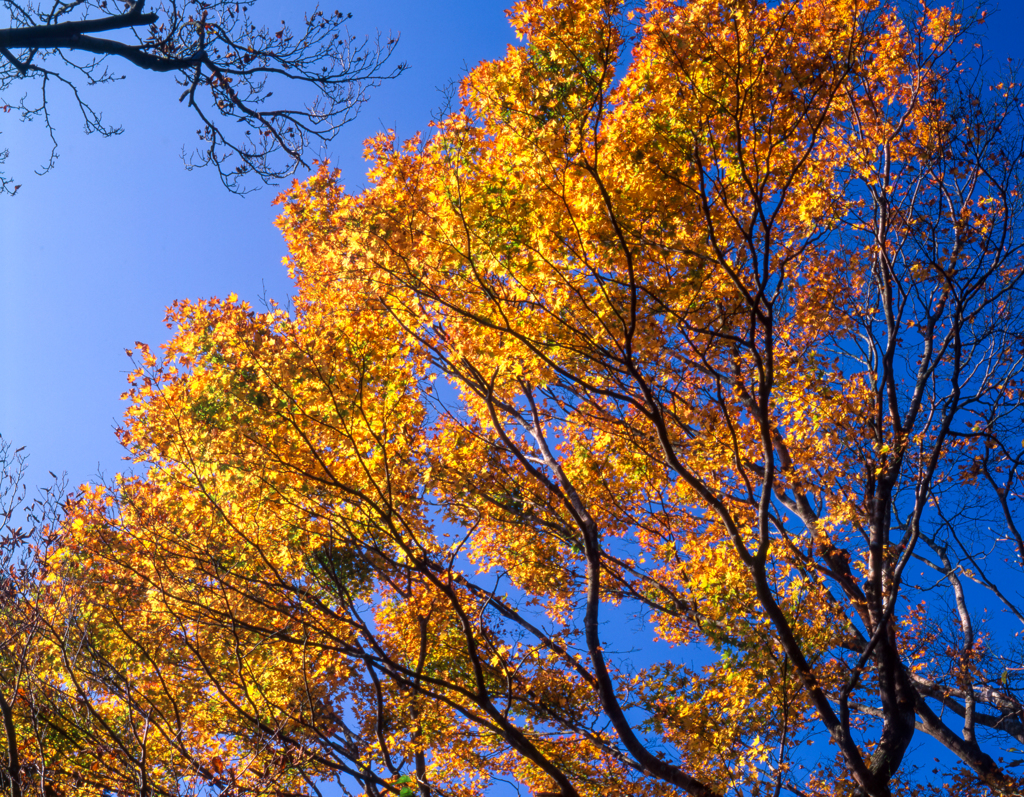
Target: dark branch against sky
{"points": [[264, 91]]}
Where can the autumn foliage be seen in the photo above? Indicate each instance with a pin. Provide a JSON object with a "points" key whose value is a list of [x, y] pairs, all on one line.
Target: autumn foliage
{"points": [[651, 427]]}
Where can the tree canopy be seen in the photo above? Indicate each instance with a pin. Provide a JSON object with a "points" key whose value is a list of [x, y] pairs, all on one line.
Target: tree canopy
{"points": [[651, 427], [226, 65]]}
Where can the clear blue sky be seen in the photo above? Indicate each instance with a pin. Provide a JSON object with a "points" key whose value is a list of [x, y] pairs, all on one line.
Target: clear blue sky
{"points": [[91, 254]]}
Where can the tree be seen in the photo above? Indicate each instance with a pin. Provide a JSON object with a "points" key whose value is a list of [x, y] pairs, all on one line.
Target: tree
{"points": [[226, 65], [647, 429], [28, 530]]}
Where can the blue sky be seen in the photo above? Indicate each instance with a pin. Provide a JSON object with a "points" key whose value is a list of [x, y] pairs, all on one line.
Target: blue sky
{"points": [[92, 253]]}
